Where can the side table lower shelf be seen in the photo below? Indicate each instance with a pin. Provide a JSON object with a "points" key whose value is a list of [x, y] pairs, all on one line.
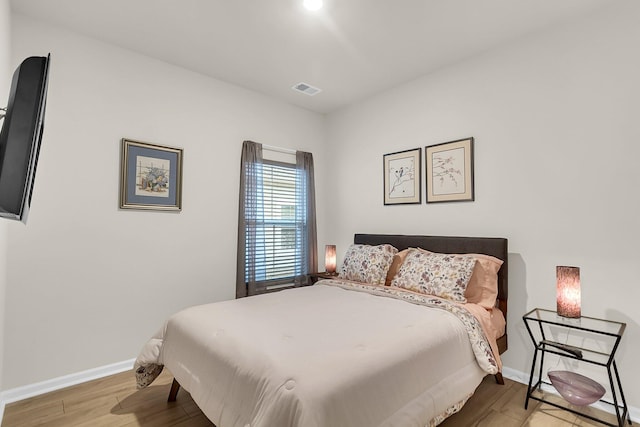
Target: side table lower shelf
{"points": [[537, 392]]}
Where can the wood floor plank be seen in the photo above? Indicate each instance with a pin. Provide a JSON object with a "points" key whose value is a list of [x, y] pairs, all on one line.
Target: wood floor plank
{"points": [[191, 408], [479, 404], [550, 416], [197, 421], [115, 402], [494, 418], [511, 404], [586, 422], [32, 412]]}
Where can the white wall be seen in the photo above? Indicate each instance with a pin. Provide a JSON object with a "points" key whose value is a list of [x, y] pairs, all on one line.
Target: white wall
{"points": [[555, 121], [88, 283], [5, 76]]}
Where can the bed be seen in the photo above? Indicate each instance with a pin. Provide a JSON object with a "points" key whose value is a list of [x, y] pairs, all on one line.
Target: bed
{"points": [[342, 352]]}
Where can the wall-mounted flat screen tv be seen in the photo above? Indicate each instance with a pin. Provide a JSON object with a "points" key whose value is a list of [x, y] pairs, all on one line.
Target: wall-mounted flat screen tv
{"points": [[21, 136]]}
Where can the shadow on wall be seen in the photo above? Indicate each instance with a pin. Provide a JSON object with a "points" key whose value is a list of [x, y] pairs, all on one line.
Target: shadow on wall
{"points": [[517, 357], [631, 335]]}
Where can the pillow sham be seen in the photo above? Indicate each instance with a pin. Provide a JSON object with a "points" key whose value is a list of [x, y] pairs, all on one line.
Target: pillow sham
{"points": [[483, 285], [482, 288], [442, 275], [398, 259], [367, 264]]}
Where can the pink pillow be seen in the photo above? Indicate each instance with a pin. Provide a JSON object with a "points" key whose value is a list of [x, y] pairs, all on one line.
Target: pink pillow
{"points": [[483, 285], [398, 259]]}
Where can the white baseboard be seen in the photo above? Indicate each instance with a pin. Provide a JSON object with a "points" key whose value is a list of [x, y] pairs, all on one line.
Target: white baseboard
{"points": [[523, 378], [514, 375], [27, 391]]}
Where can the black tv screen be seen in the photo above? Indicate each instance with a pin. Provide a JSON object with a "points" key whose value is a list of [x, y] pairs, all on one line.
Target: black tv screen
{"points": [[21, 136]]}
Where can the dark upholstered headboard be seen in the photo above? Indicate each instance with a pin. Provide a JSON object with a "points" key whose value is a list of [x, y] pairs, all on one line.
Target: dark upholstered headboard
{"points": [[493, 246]]}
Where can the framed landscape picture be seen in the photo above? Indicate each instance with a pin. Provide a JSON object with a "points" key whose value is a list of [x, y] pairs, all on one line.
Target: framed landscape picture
{"points": [[151, 176], [449, 169], [402, 177]]}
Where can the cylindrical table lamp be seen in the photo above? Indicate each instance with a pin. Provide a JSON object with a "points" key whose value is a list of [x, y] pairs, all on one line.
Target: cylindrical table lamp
{"points": [[568, 291], [330, 259]]}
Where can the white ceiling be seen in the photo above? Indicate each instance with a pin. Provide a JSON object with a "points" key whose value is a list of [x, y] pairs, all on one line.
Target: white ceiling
{"points": [[351, 49]]}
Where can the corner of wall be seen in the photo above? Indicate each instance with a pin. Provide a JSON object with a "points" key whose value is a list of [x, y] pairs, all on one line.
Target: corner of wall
{"points": [[5, 73]]}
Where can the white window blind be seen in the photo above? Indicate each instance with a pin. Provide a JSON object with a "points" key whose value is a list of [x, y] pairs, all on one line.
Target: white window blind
{"points": [[278, 255]]}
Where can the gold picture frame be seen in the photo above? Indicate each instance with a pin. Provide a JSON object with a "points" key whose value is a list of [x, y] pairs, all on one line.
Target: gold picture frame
{"points": [[151, 176]]}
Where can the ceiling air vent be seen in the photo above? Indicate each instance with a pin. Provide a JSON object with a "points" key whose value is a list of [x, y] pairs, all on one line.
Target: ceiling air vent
{"points": [[306, 89]]}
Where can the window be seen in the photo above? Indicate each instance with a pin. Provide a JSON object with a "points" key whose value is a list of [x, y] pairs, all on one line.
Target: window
{"points": [[276, 224], [277, 257]]}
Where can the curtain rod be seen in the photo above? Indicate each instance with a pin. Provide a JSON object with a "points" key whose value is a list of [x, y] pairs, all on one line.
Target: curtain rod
{"points": [[278, 149]]}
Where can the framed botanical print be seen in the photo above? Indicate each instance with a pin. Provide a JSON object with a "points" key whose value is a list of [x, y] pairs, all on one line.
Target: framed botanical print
{"points": [[151, 176], [402, 177], [449, 168]]}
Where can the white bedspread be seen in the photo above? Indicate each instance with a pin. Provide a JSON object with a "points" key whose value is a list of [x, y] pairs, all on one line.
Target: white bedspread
{"points": [[328, 355]]}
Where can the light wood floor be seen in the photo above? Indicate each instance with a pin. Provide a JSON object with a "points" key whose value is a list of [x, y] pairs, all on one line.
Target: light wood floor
{"points": [[114, 401]]}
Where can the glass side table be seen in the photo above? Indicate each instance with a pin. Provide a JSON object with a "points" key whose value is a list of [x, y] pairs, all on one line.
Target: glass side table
{"points": [[595, 341]]}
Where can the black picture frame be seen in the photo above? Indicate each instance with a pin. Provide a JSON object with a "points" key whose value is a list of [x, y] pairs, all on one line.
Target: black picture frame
{"points": [[449, 171], [403, 177]]}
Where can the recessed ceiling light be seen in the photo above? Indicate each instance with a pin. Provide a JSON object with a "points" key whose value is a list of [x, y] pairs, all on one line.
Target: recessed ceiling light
{"points": [[313, 5]]}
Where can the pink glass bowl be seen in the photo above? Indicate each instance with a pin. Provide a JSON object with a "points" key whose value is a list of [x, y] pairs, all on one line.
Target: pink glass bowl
{"points": [[576, 388]]}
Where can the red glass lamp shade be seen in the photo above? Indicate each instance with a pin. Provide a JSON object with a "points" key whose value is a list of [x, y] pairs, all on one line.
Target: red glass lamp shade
{"points": [[576, 388], [330, 259], [568, 288]]}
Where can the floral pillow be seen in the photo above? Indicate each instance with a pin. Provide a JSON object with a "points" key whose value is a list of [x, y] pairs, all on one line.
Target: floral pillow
{"points": [[482, 288], [442, 275], [367, 264]]}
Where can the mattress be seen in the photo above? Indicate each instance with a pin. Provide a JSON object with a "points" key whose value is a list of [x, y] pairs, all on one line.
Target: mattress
{"points": [[329, 355]]}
